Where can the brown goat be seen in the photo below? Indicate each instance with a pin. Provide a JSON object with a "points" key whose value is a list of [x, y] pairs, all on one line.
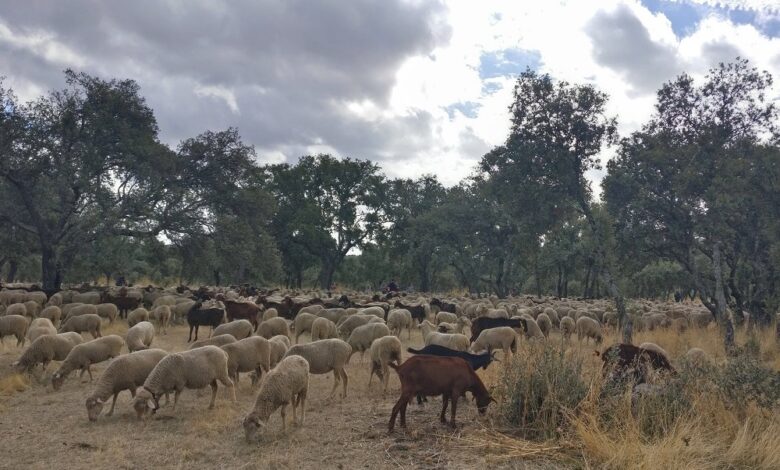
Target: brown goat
{"points": [[449, 377], [623, 360], [240, 310]]}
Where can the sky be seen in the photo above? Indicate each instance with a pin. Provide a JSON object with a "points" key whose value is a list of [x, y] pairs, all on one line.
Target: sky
{"points": [[419, 86]]}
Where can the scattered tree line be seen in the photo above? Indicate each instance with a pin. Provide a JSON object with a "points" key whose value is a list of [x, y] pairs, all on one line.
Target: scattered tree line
{"points": [[689, 206]]}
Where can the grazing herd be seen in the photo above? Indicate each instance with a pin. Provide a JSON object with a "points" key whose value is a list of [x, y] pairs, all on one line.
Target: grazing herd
{"points": [[260, 334]]}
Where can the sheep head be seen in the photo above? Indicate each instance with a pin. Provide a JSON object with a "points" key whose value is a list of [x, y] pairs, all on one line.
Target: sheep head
{"points": [[94, 408], [252, 423]]}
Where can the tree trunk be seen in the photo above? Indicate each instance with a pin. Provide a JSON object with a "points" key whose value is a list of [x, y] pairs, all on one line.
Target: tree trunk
{"points": [[217, 277], [425, 285], [327, 271], [586, 284], [720, 301], [13, 267]]}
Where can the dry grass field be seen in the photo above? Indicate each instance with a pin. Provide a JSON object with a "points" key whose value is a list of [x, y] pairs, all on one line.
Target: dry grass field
{"points": [[41, 428]]}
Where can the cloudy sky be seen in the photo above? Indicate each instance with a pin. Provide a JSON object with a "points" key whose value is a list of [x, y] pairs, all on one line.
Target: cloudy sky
{"points": [[420, 86]]}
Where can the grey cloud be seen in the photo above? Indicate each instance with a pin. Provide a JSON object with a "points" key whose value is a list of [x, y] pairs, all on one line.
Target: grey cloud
{"points": [[622, 43], [717, 52], [291, 64]]}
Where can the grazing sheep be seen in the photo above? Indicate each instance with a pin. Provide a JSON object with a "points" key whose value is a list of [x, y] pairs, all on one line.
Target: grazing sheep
{"points": [[77, 310], [40, 327], [333, 314], [567, 327], [82, 356], [654, 347], [279, 346], [162, 315], [588, 328], [314, 309], [14, 325], [270, 313], [303, 323], [348, 324], [240, 329], [544, 323], [457, 342], [378, 312], [287, 383], [361, 338], [92, 298], [698, 357], [610, 319], [247, 355], [46, 349], [446, 317], [180, 310], [53, 313], [16, 309], [109, 311], [531, 328], [324, 356], [218, 340], [398, 319], [503, 338], [383, 351], [322, 328], [126, 372], [140, 336], [195, 368], [89, 323], [32, 307], [273, 327], [136, 316], [680, 325]]}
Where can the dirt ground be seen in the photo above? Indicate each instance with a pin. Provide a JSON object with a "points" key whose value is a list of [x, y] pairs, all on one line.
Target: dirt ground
{"points": [[41, 428]]}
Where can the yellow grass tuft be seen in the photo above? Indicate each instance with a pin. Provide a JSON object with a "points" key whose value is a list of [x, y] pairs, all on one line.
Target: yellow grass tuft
{"points": [[13, 384]]}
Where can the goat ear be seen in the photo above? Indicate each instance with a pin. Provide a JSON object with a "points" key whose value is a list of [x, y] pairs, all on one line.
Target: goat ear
{"points": [[151, 404]]}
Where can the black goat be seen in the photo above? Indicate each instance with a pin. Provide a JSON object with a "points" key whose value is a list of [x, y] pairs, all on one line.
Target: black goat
{"points": [[485, 323], [212, 316], [443, 306]]}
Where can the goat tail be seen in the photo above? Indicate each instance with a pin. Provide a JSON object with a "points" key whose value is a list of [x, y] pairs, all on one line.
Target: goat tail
{"points": [[395, 367], [414, 351]]}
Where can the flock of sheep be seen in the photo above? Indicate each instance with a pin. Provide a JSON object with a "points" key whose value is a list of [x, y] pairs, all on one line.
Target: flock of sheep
{"points": [[266, 341]]}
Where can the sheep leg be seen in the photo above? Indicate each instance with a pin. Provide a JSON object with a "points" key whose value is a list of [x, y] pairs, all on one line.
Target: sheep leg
{"points": [[113, 402], [346, 380], [213, 394], [302, 404], [176, 394], [385, 378], [445, 399], [89, 372], [336, 380], [229, 384], [283, 411]]}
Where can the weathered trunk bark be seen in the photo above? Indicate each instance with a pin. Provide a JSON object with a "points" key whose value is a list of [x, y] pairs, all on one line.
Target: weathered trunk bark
{"points": [[217, 277], [722, 316], [327, 271], [425, 283], [50, 269], [586, 284], [13, 268]]}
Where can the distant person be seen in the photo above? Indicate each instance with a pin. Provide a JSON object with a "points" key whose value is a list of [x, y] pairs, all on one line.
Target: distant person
{"points": [[392, 286], [121, 281]]}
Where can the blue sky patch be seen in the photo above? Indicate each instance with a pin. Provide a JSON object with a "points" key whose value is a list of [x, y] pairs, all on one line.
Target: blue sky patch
{"points": [[468, 108], [685, 16], [508, 62]]}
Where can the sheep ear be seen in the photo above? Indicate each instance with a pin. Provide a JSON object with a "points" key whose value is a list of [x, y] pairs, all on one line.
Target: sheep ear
{"points": [[102, 402], [151, 404], [493, 400]]}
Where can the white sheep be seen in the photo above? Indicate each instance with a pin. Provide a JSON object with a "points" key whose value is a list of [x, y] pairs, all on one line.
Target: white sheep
{"points": [[446, 317], [126, 372], [195, 368], [567, 327], [457, 342], [76, 310], [89, 323], [270, 313], [588, 328], [32, 307], [40, 327], [503, 338], [109, 311], [361, 338], [383, 351], [162, 315], [544, 323], [53, 313], [398, 319], [655, 348], [240, 329], [46, 349], [349, 323], [273, 327], [333, 314], [219, 341], [136, 316], [16, 309], [698, 356], [323, 328], [457, 327], [140, 336], [14, 325], [532, 330], [302, 324], [324, 356], [82, 356], [287, 383], [378, 312], [313, 309], [247, 355]]}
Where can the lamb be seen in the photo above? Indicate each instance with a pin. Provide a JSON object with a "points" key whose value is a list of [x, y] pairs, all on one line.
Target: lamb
{"points": [[302, 324], [240, 329], [273, 327], [348, 324], [588, 328], [90, 323], [46, 349], [503, 338], [398, 319], [324, 356], [136, 316], [567, 327], [270, 313], [109, 311], [126, 372], [361, 338], [53, 313], [82, 356], [247, 355], [40, 327], [78, 310], [544, 323], [287, 383], [322, 328], [140, 336], [383, 351], [457, 342], [195, 368], [162, 315], [217, 340], [450, 377], [14, 325]]}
